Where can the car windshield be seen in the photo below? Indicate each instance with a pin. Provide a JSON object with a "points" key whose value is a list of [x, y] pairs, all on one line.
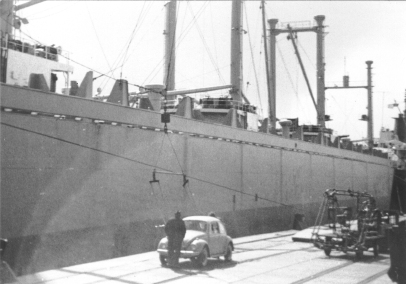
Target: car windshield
{"points": [[196, 225]]}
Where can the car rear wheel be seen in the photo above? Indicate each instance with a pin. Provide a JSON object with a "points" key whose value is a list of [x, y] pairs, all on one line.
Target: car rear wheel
{"points": [[376, 249], [163, 260], [229, 253], [202, 258]]}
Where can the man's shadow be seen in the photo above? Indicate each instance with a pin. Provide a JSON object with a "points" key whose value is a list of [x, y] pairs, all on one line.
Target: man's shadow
{"points": [[189, 268]]}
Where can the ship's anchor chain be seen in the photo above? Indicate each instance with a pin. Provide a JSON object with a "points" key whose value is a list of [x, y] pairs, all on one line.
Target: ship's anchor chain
{"points": [[154, 172]]}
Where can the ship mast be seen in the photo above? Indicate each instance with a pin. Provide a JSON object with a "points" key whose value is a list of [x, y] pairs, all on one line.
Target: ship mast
{"points": [[6, 22], [7, 14], [321, 119], [236, 50], [269, 76], [370, 108], [170, 56], [170, 33], [7, 17]]}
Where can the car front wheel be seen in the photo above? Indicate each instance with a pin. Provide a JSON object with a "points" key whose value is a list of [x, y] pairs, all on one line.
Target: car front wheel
{"points": [[327, 251], [202, 258], [358, 254], [229, 253]]}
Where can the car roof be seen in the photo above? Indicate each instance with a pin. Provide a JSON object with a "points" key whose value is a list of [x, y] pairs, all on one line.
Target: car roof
{"points": [[201, 218]]}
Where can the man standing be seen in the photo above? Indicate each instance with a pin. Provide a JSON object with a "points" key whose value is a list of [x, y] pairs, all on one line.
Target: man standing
{"points": [[175, 230]]}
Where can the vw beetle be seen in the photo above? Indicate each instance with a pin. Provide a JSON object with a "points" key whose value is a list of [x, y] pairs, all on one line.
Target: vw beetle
{"points": [[205, 237]]}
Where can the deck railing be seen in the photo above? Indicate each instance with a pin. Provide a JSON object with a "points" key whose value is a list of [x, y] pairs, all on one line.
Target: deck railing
{"points": [[226, 103], [39, 50]]}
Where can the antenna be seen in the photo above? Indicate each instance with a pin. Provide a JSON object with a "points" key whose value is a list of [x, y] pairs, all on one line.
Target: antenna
{"points": [[345, 65]]}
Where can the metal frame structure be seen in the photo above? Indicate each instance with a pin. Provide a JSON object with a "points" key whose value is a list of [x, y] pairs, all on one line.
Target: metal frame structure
{"points": [[348, 233]]}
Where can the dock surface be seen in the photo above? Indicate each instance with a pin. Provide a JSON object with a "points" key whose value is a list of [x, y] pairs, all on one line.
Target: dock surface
{"points": [[259, 259]]}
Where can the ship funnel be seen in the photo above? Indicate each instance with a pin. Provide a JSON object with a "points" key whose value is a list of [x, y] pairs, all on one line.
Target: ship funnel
{"points": [[155, 96], [285, 123]]}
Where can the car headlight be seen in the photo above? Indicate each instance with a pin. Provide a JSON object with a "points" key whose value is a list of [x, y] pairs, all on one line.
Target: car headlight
{"points": [[193, 247], [163, 245]]}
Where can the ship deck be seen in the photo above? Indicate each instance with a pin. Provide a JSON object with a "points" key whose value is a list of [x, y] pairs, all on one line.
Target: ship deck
{"points": [[266, 258]]}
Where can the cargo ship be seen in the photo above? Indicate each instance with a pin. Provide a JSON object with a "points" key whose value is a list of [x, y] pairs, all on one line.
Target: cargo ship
{"points": [[85, 178]]}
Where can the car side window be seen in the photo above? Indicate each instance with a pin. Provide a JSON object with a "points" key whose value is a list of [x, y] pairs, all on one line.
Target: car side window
{"points": [[215, 228], [202, 226]]}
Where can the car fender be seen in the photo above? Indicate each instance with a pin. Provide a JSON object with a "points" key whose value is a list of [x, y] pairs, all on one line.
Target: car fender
{"points": [[228, 242], [201, 244]]}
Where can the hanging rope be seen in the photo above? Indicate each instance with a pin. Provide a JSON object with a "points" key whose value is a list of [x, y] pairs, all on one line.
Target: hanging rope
{"points": [[173, 149], [160, 206], [160, 150], [188, 191]]}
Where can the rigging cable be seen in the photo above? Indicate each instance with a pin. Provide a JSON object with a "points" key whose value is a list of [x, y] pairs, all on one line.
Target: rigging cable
{"points": [[74, 61], [48, 15], [206, 46], [155, 71], [213, 34], [252, 59], [98, 40], [160, 151], [123, 52], [186, 183], [311, 63], [143, 163], [221, 68], [290, 77], [160, 206], [157, 68], [177, 159], [141, 39], [287, 71], [131, 38], [180, 38], [190, 25]]}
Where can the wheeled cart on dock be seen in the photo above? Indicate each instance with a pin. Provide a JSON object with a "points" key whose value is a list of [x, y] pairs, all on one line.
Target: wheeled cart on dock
{"points": [[347, 233]]}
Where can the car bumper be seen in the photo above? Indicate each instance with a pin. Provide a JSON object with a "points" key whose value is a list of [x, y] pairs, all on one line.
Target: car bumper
{"points": [[183, 253]]}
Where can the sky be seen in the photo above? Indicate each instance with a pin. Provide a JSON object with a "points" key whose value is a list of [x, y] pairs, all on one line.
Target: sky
{"points": [[127, 37]]}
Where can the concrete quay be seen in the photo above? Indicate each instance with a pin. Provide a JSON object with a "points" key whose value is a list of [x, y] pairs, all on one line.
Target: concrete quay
{"points": [[259, 259]]}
